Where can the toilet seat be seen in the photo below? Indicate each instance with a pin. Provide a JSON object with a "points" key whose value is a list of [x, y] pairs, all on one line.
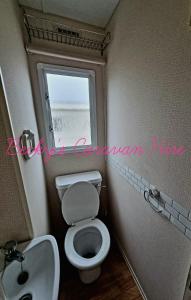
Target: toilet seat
{"points": [[79, 261], [80, 202]]}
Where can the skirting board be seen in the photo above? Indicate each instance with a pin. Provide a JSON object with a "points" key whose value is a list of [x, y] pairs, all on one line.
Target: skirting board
{"points": [[123, 253]]}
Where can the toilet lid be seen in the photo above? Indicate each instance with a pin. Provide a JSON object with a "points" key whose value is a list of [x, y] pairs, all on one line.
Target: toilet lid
{"points": [[80, 202]]}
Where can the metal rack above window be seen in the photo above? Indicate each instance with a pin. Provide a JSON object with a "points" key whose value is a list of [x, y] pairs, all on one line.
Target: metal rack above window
{"points": [[44, 29]]}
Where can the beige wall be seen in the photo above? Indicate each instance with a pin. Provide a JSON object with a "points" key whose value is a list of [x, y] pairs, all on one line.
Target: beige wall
{"points": [[149, 88], [15, 223], [159, 254], [14, 67]]}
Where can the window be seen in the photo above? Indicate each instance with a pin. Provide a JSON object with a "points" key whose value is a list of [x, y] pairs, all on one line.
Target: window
{"points": [[68, 97]]}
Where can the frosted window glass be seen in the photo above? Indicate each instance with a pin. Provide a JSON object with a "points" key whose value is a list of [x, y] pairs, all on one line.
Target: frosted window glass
{"points": [[70, 109]]}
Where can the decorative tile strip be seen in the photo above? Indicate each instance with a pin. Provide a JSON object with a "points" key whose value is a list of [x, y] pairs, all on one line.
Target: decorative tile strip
{"points": [[169, 208]]}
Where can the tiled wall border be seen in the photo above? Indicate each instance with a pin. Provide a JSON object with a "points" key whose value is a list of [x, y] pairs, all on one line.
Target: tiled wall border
{"points": [[170, 209]]}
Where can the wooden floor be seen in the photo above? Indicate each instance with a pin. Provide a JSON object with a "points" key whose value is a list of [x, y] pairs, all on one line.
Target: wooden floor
{"points": [[115, 282]]}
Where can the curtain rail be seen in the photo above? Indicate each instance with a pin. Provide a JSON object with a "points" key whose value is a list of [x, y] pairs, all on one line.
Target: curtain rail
{"points": [[97, 61]]}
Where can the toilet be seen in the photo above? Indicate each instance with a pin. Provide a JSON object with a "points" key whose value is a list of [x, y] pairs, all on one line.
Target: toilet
{"points": [[87, 241]]}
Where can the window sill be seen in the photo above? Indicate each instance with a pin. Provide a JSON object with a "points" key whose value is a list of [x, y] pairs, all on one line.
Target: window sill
{"points": [[72, 151]]}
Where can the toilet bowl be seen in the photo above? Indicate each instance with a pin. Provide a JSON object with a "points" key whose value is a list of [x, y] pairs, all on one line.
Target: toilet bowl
{"points": [[86, 246], [87, 241]]}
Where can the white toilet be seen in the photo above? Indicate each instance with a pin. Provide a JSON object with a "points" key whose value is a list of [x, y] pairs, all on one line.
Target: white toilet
{"points": [[87, 241]]}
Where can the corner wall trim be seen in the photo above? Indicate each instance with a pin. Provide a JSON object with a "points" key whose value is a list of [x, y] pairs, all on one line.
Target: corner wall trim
{"points": [[123, 253]]}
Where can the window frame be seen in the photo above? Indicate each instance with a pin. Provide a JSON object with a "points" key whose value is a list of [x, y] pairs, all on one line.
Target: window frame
{"points": [[43, 69]]}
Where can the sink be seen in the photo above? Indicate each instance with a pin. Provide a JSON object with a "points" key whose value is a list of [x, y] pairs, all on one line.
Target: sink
{"points": [[41, 272]]}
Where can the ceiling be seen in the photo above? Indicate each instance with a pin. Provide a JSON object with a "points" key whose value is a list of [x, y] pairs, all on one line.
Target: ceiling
{"points": [[94, 12]]}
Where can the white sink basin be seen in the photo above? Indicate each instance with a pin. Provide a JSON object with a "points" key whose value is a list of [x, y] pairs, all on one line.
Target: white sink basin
{"points": [[43, 267]]}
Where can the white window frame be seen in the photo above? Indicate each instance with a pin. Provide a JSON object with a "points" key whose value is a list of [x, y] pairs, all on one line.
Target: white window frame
{"points": [[43, 69]]}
